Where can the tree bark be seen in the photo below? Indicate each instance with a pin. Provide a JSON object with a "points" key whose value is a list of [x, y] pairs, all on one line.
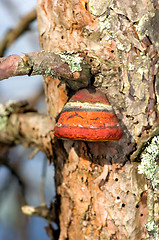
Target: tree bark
{"points": [[100, 193]]}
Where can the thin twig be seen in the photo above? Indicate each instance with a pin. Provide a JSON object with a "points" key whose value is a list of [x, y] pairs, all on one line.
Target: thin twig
{"points": [[19, 29], [4, 161], [41, 211], [42, 181]]}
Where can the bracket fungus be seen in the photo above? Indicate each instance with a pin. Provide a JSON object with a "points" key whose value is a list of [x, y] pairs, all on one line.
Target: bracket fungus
{"points": [[88, 116]]}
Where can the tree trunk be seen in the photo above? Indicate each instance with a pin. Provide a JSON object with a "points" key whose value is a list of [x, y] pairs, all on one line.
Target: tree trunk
{"points": [[100, 193]]}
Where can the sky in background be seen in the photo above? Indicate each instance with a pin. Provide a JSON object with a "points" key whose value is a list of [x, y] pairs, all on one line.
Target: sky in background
{"points": [[22, 88], [11, 11]]}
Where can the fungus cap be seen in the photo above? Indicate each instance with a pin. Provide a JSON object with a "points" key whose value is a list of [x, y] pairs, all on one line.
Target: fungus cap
{"points": [[88, 116]]}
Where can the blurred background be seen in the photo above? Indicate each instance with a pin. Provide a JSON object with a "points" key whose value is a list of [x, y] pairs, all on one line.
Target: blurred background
{"points": [[20, 177]]}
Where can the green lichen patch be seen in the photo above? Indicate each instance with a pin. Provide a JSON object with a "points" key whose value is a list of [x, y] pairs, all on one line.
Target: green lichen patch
{"points": [[5, 111], [110, 26], [73, 60], [48, 72], [152, 228], [3, 118], [104, 25], [148, 25], [100, 8], [148, 164]]}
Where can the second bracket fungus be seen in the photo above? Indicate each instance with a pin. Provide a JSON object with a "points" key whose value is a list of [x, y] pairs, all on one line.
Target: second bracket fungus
{"points": [[88, 116]]}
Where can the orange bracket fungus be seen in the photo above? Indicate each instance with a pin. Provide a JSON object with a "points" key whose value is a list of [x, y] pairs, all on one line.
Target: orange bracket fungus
{"points": [[88, 116]]}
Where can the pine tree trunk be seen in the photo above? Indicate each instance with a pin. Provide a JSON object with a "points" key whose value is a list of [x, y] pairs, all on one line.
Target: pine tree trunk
{"points": [[99, 191]]}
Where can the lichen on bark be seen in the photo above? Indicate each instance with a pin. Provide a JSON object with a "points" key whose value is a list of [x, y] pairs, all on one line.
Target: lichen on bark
{"points": [[3, 118], [73, 61], [148, 165]]}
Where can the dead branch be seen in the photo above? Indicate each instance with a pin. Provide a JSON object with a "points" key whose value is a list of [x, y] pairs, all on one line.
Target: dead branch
{"points": [[27, 128], [41, 211], [14, 33], [69, 67]]}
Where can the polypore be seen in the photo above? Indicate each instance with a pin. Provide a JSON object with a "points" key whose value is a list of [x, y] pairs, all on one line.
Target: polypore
{"points": [[88, 116]]}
